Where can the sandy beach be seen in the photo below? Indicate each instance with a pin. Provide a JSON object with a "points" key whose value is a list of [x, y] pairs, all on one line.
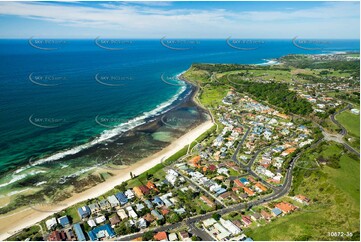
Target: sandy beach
{"points": [[20, 219]]}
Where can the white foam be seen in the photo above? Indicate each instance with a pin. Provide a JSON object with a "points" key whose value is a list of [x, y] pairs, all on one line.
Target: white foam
{"points": [[16, 178], [40, 183], [16, 192], [268, 63]]}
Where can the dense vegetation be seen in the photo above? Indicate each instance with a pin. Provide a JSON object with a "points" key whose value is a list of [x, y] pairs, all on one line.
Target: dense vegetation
{"points": [[279, 95], [334, 192]]}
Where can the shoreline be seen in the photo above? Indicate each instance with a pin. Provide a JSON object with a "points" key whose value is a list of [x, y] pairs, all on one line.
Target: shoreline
{"points": [[10, 222], [29, 216]]}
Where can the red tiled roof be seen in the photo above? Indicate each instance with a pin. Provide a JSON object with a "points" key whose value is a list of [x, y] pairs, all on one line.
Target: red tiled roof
{"points": [[160, 236], [238, 183], [285, 207], [248, 191]]}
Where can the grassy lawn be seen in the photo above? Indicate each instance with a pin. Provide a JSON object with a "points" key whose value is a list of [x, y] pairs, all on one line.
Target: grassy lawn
{"points": [[233, 172], [212, 95], [350, 121], [156, 171], [335, 201]]}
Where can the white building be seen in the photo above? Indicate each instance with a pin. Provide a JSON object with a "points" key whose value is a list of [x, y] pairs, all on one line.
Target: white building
{"points": [[129, 194], [230, 226], [122, 214], [100, 219], [113, 201], [131, 212], [50, 223]]}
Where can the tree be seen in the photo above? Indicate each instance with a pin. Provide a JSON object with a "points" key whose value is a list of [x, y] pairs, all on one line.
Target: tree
{"points": [[216, 216], [147, 235], [195, 238]]}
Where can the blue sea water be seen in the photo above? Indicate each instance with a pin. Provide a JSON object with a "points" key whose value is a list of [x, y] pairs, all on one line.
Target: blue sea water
{"points": [[55, 100]]}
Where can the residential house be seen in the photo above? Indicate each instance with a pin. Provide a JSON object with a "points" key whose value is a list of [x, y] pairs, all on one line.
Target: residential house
{"points": [[256, 216], [161, 236], [209, 222], [51, 223], [158, 202], [228, 195], [184, 235], [237, 223], [276, 212], [302, 199], [102, 232], [207, 201], [138, 192], [114, 220], [221, 232], [100, 219], [64, 221], [84, 212], [114, 202], [79, 232], [148, 204], [266, 215], [246, 220], [286, 207], [122, 214], [94, 208], [131, 212], [259, 187], [91, 223], [151, 186], [157, 215], [145, 190], [129, 194], [122, 198], [248, 191], [141, 223], [173, 237], [238, 183], [104, 204], [230, 226], [139, 207], [180, 211], [54, 236], [149, 218]]}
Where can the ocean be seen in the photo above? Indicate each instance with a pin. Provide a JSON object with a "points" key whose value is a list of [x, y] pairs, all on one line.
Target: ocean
{"points": [[61, 97]]}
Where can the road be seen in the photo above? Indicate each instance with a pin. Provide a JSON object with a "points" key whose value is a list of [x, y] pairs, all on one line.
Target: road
{"points": [[343, 131], [340, 138], [250, 163], [234, 156], [199, 186], [278, 193]]}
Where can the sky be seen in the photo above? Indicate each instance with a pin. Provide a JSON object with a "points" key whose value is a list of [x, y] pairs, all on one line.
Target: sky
{"points": [[201, 20]]}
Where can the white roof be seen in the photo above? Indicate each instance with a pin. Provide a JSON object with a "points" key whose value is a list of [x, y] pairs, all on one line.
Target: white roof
{"points": [[230, 226], [173, 237], [51, 223], [100, 219], [122, 214], [209, 222], [113, 200], [91, 223]]}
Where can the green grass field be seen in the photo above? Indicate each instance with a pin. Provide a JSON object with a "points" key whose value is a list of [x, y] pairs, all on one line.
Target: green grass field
{"points": [[351, 122], [335, 202]]}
